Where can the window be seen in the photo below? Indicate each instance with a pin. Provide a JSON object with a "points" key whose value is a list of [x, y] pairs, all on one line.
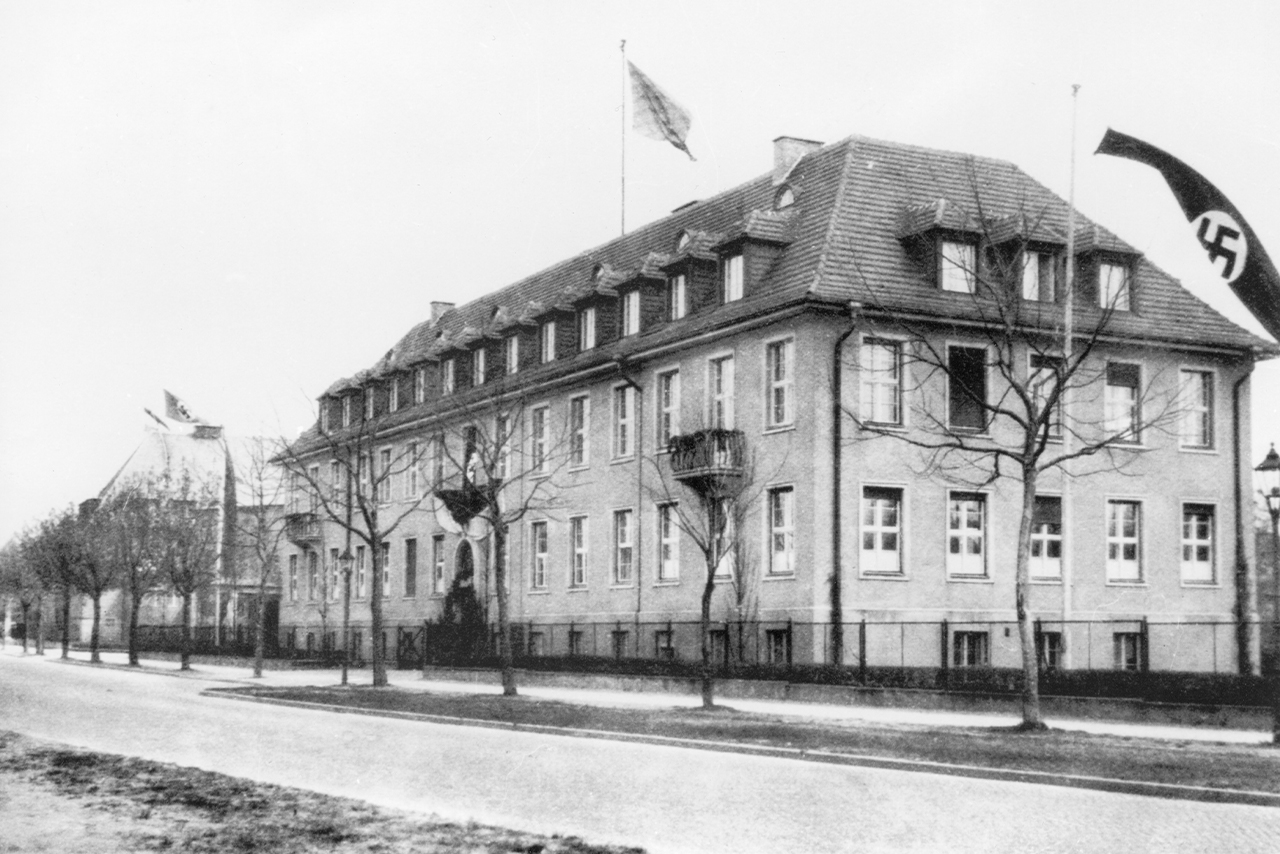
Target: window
{"points": [[1046, 537], [336, 482], [724, 540], [956, 267], [720, 646], [478, 366], [881, 530], [677, 306], [1195, 424], [967, 388], [383, 476], [313, 575], [547, 341], [576, 645], [346, 411], [333, 574], [620, 640], [881, 363], [732, 284], [623, 551], [313, 490], [1046, 373], [1049, 650], [586, 328], [971, 649], [782, 530], [410, 568], [578, 546], [779, 367], [412, 485], [536, 644], [324, 416], [668, 543], [1113, 286], [721, 390], [668, 407], [579, 430], [368, 403], [512, 349], [437, 459], [630, 305], [1128, 650], [539, 428], [624, 405], [419, 385], [538, 539], [437, 565], [359, 572], [1124, 531], [446, 376], [967, 534], [502, 442], [778, 646], [663, 646], [1038, 269], [1123, 412], [393, 395], [293, 578], [1197, 544], [386, 569]]}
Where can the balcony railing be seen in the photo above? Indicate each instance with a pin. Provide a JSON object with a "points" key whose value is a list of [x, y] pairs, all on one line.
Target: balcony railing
{"points": [[708, 460], [302, 527]]}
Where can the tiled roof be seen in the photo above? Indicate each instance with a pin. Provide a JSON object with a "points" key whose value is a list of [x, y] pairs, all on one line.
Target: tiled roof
{"points": [[843, 238]]}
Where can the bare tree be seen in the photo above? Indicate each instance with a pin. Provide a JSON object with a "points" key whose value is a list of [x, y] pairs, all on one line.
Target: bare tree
{"points": [[1001, 393], [188, 543], [98, 564], [20, 580], [126, 526], [53, 550], [260, 529]]}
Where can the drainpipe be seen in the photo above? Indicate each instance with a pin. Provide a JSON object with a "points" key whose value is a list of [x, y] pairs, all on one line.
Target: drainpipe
{"points": [[639, 532], [837, 606], [1246, 580]]}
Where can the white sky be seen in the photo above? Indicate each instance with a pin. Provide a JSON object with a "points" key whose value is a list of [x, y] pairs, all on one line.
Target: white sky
{"points": [[242, 202]]}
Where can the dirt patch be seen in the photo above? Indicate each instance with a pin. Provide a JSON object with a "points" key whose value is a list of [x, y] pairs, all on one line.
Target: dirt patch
{"points": [[57, 798]]}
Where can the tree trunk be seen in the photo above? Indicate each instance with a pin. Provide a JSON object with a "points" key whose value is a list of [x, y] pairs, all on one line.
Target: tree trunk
{"points": [[506, 660], [26, 626], [66, 622], [708, 682], [135, 605], [40, 630], [186, 632], [94, 657], [1031, 718], [260, 632], [375, 617]]}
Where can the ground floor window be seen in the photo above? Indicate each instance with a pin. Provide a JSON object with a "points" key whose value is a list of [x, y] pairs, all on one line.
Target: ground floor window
{"points": [[1049, 650], [663, 649], [971, 649], [575, 642], [720, 646], [1128, 650], [620, 643], [535, 644], [778, 645], [357, 644], [311, 642]]}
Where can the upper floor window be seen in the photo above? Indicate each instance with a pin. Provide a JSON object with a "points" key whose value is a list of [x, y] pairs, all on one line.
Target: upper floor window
{"points": [[478, 366], [1197, 544], [623, 548], [437, 565], [383, 475], [668, 542], [502, 445], [512, 349], [967, 534], [630, 305], [881, 363], [538, 541], [677, 306], [360, 572], [447, 376], [1123, 410], [346, 411], [1195, 423], [1124, 538], [547, 341], [410, 568], [957, 266], [368, 402], [732, 284], [1045, 375], [540, 438], [1113, 286], [579, 430], [782, 530], [419, 385], [412, 484], [967, 388], [324, 416], [624, 398], [1038, 277], [881, 530], [785, 198], [393, 395], [1046, 537], [720, 393], [578, 543], [780, 370], [668, 407], [586, 328]]}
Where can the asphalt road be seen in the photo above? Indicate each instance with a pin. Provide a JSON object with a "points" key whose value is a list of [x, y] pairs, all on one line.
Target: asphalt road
{"points": [[663, 798]]}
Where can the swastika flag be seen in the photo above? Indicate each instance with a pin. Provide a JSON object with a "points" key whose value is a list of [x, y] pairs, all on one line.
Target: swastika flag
{"points": [[655, 114], [1233, 249]]}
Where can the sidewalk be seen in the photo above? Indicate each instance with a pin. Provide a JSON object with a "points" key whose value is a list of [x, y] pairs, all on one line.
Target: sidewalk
{"points": [[412, 680]]}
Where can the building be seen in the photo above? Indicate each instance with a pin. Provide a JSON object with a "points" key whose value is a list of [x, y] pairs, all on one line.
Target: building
{"points": [[783, 323]]}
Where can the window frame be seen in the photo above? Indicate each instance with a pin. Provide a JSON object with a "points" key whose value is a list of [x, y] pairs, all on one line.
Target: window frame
{"points": [[952, 389], [369, 402], [677, 296], [479, 366], [667, 410], [1046, 278], [1053, 364], [579, 431], [360, 573], [879, 529], [1113, 576], [868, 384], [623, 422], [410, 568], [438, 565], [547, 341], [719, 394], [383, 480], [950, 267], [1112, 297], [1127, 651], [962, 573], [970, 649], [668, 540], [785, 348], [393, 395], [539, 545], [448, 376], [732, 276], [579, 551], [1046, 540], [1112, 406], [511, 352], [1194, 542], [1205, 409], [780, 499], [540, 440], [586, 327], [624, 546], [346, 410], [628, 313], [420, 385]]}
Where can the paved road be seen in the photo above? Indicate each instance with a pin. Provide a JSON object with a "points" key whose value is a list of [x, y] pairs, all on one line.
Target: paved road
{"points": [[666, 799]]}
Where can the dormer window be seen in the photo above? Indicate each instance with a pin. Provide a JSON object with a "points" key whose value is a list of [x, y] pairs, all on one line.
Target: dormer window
{"points": [[677, 298], [682, 241], [477, 366], [368, 403], [446, 376], [393, 396], [420, 385], [1113, 286], [630, 306], [586, 329], [785, 198], [731, 283], [547, 341], [324, 416], [957, 266], [346, 411], [513, 353], [1039, 276]]}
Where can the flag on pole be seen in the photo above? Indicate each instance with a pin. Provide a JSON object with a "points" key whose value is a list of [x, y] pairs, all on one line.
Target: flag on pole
{"points": [[176, 410], [1233, 249], [156, 418], [655, 115]]}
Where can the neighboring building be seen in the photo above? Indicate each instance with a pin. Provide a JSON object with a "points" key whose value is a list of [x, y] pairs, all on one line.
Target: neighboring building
{"points": [[736, 313]]}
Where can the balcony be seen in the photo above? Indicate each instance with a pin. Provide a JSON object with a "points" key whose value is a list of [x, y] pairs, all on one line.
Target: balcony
{"points": [[468, 502], [302, 528], [710, 462]]}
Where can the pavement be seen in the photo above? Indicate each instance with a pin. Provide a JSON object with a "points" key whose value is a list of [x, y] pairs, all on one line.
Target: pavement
{"points": [[412, 680]]}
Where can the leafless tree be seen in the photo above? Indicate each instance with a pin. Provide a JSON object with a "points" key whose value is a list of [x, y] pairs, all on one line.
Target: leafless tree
{"points": [[1011, 403], [20, 581], [188, 534], [97, 566], [53, 549], [260, 528], [127, 526]]}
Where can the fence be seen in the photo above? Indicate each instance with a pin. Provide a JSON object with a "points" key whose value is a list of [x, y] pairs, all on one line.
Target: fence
{"points": [[205, 640]]}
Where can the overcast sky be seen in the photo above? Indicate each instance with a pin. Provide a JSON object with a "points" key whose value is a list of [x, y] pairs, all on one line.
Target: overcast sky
{"points": [[242, 202]]}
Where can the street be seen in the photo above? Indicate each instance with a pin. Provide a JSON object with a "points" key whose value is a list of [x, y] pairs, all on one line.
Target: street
{"points": [[663, 798]]}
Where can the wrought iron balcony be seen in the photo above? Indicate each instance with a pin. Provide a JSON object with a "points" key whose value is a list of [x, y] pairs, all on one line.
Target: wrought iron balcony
{"points": [[468, 502], [709, 461], [302, 528]]}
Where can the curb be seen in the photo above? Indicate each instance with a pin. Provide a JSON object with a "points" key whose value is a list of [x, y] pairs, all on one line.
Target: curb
{"points": [[149, 671], [1172, 791]]}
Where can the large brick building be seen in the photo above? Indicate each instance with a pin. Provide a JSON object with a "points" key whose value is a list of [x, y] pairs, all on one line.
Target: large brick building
{"points": [[790, 313]]}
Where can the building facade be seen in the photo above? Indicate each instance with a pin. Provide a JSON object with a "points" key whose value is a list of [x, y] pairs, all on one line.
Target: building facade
{"points": [[842, 339]]}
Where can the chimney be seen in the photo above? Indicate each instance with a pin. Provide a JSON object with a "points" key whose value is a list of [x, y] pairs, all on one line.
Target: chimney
{"points": [[438, 309], [787, 150]]}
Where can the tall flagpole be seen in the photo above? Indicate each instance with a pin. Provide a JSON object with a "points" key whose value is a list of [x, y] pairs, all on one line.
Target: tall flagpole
{"points": [[1068, 539], [623, 113]]}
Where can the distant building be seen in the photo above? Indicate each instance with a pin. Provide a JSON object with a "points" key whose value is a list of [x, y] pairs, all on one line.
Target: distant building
{"points": [[736, 314]]}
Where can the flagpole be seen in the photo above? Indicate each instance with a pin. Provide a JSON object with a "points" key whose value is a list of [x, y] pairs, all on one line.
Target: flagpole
{"points": [[623, 113], [1067, 350]]}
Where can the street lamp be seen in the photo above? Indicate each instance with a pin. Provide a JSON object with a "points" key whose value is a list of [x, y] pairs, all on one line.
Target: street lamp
{"points": [[344, 561], [1269, 475]]}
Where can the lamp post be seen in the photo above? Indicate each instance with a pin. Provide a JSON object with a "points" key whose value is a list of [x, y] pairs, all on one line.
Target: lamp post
{"points": [[345, 560], [1269, 475]]}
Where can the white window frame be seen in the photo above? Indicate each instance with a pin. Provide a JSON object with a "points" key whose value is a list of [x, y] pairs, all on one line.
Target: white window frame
{"points": [[731, 278], [780, 523], [1039, 276], [335, 579], [624, 422], [579, 543], [1115, 286], [1200, 437], [1120, 568], [336, 483], [393, 395], [587, 328], [780, 361], [540, 439], [668, 543], [1117, 407], [720, 391], [579, 431], [547, 341], [876, 531], [437, 565], [420, 385], [881, 378], [313, 488], [412, 478], [629, 309], [502, 439], [1040, 391], [479, 359], [1199, 538], [447, 376], [970, 648], [667, 410], [957, 266], [1127, 650], [538, 543], [962, 562], [346, 410], [386, 569], [324, 416], [360, 572], [677, 297], [368, 403], [1043, 566], [512, 350], [624, 548], [384, 479], [293, 578]]}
